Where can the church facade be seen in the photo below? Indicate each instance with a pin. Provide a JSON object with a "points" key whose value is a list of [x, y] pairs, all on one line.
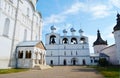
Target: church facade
{"points": [[67, 50], [19, 22]]}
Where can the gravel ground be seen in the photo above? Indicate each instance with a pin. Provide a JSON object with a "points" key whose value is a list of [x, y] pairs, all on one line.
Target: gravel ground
{"points": [[57, 72]]}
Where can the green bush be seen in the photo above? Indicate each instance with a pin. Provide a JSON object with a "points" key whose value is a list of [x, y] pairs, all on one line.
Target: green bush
{"points": [[103, 62]]}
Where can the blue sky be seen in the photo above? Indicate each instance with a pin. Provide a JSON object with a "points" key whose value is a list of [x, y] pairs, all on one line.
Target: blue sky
{"points": [[88, 15]]}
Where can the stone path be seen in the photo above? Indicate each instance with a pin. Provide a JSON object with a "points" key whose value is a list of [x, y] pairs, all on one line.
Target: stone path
{"points": [[57, 72]]}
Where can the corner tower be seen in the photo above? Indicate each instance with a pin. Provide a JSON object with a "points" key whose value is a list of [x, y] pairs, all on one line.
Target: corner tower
{"points": [[99, 44], [116, 32]]}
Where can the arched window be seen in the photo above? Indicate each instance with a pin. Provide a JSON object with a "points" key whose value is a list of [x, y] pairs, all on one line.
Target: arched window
{"points": [[65, 41], [30, 54], [20, 54], [27, 54], [73, 41], [6, 27], [52, 39], [82, 40], [25, 35]]}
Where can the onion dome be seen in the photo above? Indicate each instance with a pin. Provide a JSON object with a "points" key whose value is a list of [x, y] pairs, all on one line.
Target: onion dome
{"points": [[80, 31], [53, 28], [117, 26], [64, 31], [99, 40], [72, 30]]}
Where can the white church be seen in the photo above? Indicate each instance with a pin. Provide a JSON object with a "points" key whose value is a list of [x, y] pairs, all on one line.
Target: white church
{"points": [[67, 50], [20, 34]]}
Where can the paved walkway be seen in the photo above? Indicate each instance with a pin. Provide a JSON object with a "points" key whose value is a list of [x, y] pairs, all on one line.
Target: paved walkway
{"points": [[57, 72]]}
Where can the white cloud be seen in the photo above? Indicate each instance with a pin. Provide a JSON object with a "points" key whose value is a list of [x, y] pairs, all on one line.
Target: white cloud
{"points": [[108, 35], [75, 8], [115, 3], [54, 19], [100, 11]]}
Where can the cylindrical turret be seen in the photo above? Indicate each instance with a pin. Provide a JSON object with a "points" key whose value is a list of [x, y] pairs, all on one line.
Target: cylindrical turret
{"points": [[99, 44]]}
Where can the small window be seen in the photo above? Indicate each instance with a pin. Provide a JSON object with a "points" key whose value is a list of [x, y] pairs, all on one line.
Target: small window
{"points": [[65, 53], [76, 53], [64, 47], [6, 27], [51, 54], [91, 61], [82, 47], [28, 54], [28, 12], [71, 53]]}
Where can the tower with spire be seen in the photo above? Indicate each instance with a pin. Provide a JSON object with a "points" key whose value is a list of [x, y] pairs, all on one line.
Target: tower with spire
{"points": [[99, 44], [116, 32]]}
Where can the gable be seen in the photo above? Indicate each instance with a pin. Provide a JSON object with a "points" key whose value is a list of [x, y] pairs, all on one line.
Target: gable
{"points": [[41, 46]]}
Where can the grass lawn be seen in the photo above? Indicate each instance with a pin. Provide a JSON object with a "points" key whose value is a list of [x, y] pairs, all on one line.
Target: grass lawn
{"points": [[110, 71], [6, 71]]}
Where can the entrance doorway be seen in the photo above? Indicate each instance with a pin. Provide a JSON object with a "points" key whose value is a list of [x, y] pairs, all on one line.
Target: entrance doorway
{"points": [[74, 61], [84, 62], [65, 62], [51, 62]]}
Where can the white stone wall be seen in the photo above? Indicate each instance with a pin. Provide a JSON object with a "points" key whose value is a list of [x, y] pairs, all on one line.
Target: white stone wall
{"points": [[98, 48], [111, 52]]}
